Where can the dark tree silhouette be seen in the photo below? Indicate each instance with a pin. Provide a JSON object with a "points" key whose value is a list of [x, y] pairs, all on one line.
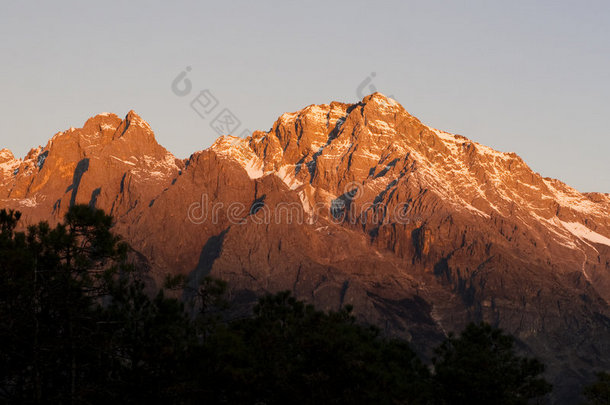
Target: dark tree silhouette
{"points": [[288, 352], [51, 279], [481, 367]]}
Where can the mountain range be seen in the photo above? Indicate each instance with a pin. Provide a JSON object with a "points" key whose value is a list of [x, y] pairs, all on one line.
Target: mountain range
{"points": [[420, 230]]}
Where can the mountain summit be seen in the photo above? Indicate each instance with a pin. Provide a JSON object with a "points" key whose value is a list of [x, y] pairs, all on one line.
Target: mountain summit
{"points": [[97, 164], [421, 230]]}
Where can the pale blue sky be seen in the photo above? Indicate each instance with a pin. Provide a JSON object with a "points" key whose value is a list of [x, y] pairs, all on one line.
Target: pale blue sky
{"points": [[531, 77]]}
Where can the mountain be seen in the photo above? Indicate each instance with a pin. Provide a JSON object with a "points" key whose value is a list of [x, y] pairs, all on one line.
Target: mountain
{"points": [[422, 231]]}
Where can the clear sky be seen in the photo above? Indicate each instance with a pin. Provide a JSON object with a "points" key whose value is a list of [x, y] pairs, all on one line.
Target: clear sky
{"points": [[531, 77]]}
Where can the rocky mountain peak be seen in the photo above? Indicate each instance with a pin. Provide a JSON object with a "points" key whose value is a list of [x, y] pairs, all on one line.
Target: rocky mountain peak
{"points": [[378, 146], [102, 130], [133, 127], [381, 102], [5, 155], [8, 164], [420, 229], [91, 164], [133, 119], [102, 122]]}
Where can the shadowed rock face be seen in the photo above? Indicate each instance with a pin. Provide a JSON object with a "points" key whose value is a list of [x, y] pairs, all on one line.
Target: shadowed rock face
{"points": [[420, 230]]}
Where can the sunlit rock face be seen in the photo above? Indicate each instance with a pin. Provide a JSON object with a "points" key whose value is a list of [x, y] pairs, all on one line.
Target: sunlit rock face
{"points": [[420, 230]]}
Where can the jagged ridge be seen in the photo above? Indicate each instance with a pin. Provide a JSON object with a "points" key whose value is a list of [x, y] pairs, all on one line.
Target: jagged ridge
{"points": [[421, 230]]}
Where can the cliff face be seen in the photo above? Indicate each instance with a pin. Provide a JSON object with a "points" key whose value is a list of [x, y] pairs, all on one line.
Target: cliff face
{"points": [[420, 230]]}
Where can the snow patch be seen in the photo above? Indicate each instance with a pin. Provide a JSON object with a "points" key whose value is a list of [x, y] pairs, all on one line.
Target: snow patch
{"points": [[382, 126], [285, 174], [238, 150], [569, 197], [582, 232], [307, 206], [28, 202], [123, 161], [12, 166], [254, 168], [166, 162], [386, 103], [474, 209], [492, 152], [155, 174], [563, 237], [367, 154]]}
